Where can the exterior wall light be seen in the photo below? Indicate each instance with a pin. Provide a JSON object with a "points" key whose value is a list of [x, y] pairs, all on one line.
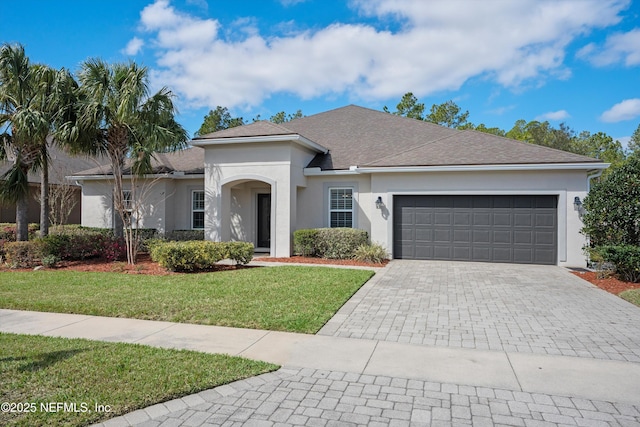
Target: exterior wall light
{"points": [[577, 203], [379, 203]]}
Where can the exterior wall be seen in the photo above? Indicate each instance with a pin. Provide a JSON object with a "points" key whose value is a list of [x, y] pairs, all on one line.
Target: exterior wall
{"points": [[179, 202], [231, 174], [97, 204], [313, 201], [166, 203], [565, 184]]}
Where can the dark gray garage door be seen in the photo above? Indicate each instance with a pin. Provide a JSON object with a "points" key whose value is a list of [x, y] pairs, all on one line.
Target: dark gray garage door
{"points": [[518, 229]]}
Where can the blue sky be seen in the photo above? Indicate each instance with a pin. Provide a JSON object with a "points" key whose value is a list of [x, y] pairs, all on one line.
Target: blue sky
{"points": [[573, 61]]}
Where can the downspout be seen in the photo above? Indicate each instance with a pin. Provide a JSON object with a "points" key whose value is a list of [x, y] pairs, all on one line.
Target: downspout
{"points": [[597, 174]]}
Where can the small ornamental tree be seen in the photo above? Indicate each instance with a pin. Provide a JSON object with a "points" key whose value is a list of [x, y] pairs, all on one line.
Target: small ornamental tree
{"points": [[613, 207]]}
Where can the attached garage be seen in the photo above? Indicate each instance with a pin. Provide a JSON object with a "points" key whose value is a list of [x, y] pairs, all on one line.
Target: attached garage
{"points": [[491, 228]]}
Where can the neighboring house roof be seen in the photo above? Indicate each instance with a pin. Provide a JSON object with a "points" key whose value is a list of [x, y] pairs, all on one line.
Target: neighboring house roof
{"points": [[189, 161], [61, 164], [357, 136]]}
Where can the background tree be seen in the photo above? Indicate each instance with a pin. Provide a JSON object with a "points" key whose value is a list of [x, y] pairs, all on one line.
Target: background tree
{"points": [[283, 117], [600, 146], [634, 142], [118, 118], [408, 107], [218, 119], [449, 114]]}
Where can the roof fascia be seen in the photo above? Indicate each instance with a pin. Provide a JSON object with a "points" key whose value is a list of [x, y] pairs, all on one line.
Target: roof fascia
{"points": [[298, 139], [153, 176], [460, 168]]}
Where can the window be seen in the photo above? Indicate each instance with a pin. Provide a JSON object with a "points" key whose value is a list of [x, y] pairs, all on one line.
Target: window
{"points": [[197, 209], [127, 205], [341, 207]]}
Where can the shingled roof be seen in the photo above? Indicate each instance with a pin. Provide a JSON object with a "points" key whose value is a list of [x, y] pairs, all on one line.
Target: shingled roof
{"points": [[357, 136], [189, 161]]}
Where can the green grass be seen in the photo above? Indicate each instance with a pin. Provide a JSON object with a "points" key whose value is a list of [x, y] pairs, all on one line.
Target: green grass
{"points": [[631, 295], [287, 298], [43, 370]]}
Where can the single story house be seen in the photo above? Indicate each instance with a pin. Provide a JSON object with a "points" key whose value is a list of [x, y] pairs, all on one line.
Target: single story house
{"points": [[421, 190]]}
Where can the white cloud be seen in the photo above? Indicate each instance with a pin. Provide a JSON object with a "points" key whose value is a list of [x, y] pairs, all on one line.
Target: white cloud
{"points": [[619, 47], [439, 47], [133, 47], [287, 3], [626, 110], [554, 115]]}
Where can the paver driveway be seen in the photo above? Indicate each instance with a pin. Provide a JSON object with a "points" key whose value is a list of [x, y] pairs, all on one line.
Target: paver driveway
{"points": [[515, 308]]}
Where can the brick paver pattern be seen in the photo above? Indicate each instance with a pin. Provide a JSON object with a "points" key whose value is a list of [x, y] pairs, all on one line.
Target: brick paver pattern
{"points": [[515, 308], [325, 398]]}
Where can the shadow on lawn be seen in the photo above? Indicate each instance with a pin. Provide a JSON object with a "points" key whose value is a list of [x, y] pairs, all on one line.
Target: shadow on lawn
{"points": [[44, 360]]}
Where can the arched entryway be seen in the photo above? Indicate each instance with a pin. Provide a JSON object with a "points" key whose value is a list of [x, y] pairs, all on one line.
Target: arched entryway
{"points": [[251, 212]]}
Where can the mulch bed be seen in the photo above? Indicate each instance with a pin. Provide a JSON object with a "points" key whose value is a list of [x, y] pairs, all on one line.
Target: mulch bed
{"points": [[313, 260], [609, 284]]}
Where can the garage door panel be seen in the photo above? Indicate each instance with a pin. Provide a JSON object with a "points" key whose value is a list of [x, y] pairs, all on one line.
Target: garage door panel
{"points": [[502, 219], [502, 236], [521, 237], [442, 235], [461, 236], [462, 219], [442, 218], [501, 228], [481, 218], [482, 236], [481, 253]]}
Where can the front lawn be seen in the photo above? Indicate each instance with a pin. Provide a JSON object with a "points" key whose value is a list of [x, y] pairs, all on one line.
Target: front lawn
{"points": [[631, 295], [57, 381], [287, 298]]}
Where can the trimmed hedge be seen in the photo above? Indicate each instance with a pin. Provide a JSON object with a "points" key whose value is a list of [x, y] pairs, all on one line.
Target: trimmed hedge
{"points": [[184, 235], [304, 241], [626, 259], [198, 255], [332, 243]]}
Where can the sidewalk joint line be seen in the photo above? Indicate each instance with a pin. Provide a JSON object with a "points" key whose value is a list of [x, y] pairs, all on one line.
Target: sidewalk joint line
{"points": [[370, 356], [172, 324], [255, 342], [515, 375]]}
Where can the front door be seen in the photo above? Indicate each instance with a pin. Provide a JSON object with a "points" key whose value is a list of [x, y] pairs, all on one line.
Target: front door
{"points": [[264, 221]]}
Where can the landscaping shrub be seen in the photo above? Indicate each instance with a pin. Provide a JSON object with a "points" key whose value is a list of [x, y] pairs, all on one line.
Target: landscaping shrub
{"points": [[188, 256], [196, 255], [240, 252], [626, 259], [374, 253], [23, 254], [50, 261], [339, 243], [83, 245], [8, 231], [184, 235], [304, 241]]}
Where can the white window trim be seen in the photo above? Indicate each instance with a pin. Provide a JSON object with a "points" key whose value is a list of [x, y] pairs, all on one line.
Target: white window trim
{"points": [[193, 210], [127, 202], [353, 205]]}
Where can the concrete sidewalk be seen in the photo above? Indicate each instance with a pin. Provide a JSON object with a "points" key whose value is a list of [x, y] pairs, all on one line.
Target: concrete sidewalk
{"points": [[603, 380]]}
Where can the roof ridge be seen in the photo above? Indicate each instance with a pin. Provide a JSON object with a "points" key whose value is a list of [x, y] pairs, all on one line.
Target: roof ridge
{"points": [[433, 141], [555, 150]]}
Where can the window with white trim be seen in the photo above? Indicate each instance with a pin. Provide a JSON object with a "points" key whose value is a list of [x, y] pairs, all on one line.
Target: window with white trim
{"points": [[127, 207], [197, 209], [341, 207]]}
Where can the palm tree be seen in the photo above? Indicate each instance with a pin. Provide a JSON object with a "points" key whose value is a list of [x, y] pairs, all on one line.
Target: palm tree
{"points": [[36, 102], [117, 118], [25, 119]]}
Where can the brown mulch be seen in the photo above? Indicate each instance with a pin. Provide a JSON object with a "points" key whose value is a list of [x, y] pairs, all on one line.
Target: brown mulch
{"points": [[313, 260], [609, 284]]}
